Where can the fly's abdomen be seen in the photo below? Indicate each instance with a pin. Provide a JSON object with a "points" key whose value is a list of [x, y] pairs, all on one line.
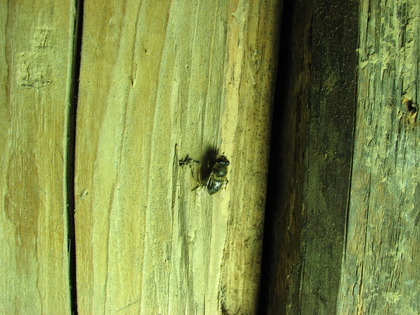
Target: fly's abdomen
{"points": [[214, 185]]}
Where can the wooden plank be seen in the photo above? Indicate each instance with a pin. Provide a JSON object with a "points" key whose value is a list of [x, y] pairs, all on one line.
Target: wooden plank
{"points": [[160, 80], [380, 273], [35, 73], [328, 154], [311, 158]]}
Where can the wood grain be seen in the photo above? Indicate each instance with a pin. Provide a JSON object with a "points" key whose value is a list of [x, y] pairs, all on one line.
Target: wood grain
{"points": [[35, 73], [310, 166], [160, 80], [380, 272]]}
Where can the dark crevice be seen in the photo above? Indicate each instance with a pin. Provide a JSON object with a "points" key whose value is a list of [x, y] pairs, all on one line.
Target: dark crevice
{"points": [[275, 181], [71, 146]]}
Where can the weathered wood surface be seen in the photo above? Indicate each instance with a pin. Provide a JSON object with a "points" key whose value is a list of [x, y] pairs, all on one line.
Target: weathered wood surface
{"points": [[311, 158], [160, 80], [36, 52], [340, 246], [380, 272]]}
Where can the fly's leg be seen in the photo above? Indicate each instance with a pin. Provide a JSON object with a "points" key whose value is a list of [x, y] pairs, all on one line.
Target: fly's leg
{"points": [[201, 185], [187, 161]]}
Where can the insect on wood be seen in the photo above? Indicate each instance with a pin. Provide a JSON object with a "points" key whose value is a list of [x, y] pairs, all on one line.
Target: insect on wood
{"points": [[213, 177]]}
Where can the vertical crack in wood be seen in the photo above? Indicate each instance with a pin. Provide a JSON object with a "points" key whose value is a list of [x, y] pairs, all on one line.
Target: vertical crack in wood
{"points": [[71, 146]]}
